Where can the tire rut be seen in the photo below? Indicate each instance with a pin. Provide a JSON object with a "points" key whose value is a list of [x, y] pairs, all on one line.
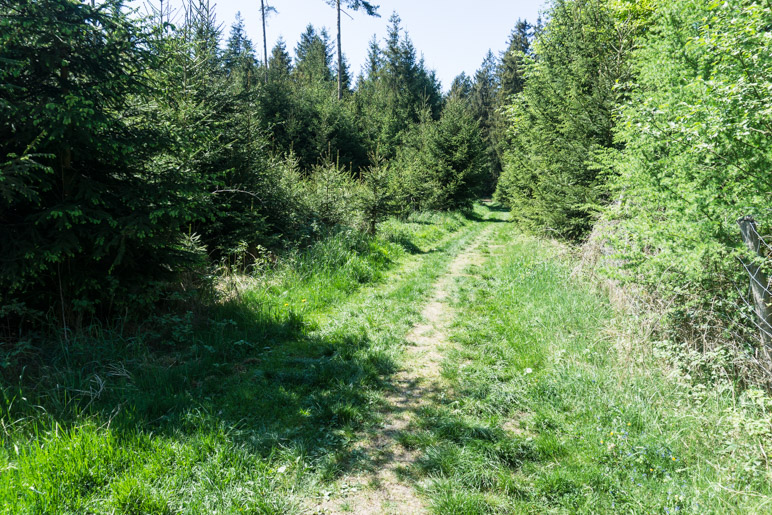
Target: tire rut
{"points": [[384, 488]]}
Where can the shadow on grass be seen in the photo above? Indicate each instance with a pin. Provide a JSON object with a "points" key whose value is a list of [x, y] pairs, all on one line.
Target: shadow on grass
{"points": [[270, 380], [406, 243], [496, 207], [475, 217]]}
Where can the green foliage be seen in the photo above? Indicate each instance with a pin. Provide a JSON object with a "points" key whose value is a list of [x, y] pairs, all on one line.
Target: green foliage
{"points": [[696, 156], [280, 63], [331, 192], [483, 105], [251, 407], [298, 109], [239, 53], [395, 92], [563, 116], [375, 196], [511, 72], [209, 100], [550, 415], [461, 87], [441, 164], [313, 57], [136, 153], [90, 210]]}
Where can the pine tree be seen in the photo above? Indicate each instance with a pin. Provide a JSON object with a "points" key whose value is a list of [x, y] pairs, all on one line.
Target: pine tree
{"points": [[280, 62], [461, 88], [370, 9], [89, 211], [374, 60], [395, 91], [456, 152], [483, 104], [511, 73], [563, 117], [313, 56], [239, 53]]}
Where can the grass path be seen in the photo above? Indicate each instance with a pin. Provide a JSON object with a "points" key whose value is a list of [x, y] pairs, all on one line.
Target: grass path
{"points": [[555, 403], [258, 408], [383, 488], [450, 365], [525, 392]]}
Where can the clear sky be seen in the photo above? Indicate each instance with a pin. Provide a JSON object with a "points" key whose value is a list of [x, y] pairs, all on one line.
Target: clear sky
{"points": [[452, 35]]}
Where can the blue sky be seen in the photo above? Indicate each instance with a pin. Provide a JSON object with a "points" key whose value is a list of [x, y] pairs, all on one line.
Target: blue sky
{"points": [[452, 35]]}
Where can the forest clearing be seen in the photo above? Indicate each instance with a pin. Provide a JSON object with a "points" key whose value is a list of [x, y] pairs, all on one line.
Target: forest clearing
{"points": [[239, 280]]}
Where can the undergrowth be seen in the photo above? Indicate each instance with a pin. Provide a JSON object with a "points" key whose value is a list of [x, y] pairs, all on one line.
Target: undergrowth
{"points": [[554, 411], [247, 406]]}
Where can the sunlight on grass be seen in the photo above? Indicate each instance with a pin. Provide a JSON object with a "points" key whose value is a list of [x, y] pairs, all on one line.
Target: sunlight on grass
{"points": [[250, 407], [546, 415]]}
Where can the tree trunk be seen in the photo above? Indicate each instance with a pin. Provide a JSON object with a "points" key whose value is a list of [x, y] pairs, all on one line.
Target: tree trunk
{"points": [[759, 281], [265, 42], [340, 57]]}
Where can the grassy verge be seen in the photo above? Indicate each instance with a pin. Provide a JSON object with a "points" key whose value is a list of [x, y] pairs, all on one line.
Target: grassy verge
{"points": [[249, 408], [553, 411]]}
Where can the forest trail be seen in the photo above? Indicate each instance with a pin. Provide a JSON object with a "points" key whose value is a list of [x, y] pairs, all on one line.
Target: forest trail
{"points": [[385, 488]]}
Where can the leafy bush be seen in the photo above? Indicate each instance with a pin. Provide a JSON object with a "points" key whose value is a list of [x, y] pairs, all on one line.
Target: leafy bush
{"points": [[696, 157]]}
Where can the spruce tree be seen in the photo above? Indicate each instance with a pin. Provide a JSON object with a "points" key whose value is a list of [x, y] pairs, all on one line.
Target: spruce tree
{"points": [[313, 56], [90, 212], [280, 62], [239, 53], [461, 88], [511, 71], [370, 9], [483, 101], [564, 117]]}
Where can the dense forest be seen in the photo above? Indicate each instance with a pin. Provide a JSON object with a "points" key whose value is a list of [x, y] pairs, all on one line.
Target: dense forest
{"points": [[214, 256], [139, 151]]}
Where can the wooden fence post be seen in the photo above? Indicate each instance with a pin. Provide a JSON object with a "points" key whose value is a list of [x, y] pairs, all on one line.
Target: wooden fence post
{"points": [[759, 282]]}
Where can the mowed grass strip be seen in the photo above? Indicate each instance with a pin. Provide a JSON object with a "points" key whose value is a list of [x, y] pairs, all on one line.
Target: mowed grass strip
{"points": [[547, 413], [248, 408]]}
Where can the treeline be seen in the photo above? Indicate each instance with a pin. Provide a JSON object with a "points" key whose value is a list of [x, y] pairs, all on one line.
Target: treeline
{"points": [[646, 125], [138, 154]]}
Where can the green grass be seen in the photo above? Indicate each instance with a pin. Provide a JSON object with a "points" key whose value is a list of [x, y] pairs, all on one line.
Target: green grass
{"points": [[552, 412], [250, 407], [554, 403]]}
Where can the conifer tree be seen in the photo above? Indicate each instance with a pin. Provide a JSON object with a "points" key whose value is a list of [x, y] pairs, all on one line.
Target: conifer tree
{"points": [[461, 87], [564, 117], [313, 56], [374, 58], [239, 53], [511, 71], [280, 62], [485, 91], [88, 212], [395, 91], [370, 9]]}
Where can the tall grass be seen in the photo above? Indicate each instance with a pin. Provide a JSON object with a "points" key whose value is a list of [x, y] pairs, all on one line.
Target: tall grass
{"points": [[248, 406], [554, 411]]}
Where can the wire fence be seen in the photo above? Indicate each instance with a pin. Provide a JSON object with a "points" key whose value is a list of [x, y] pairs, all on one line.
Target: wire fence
{"points": [[757, 297]]}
